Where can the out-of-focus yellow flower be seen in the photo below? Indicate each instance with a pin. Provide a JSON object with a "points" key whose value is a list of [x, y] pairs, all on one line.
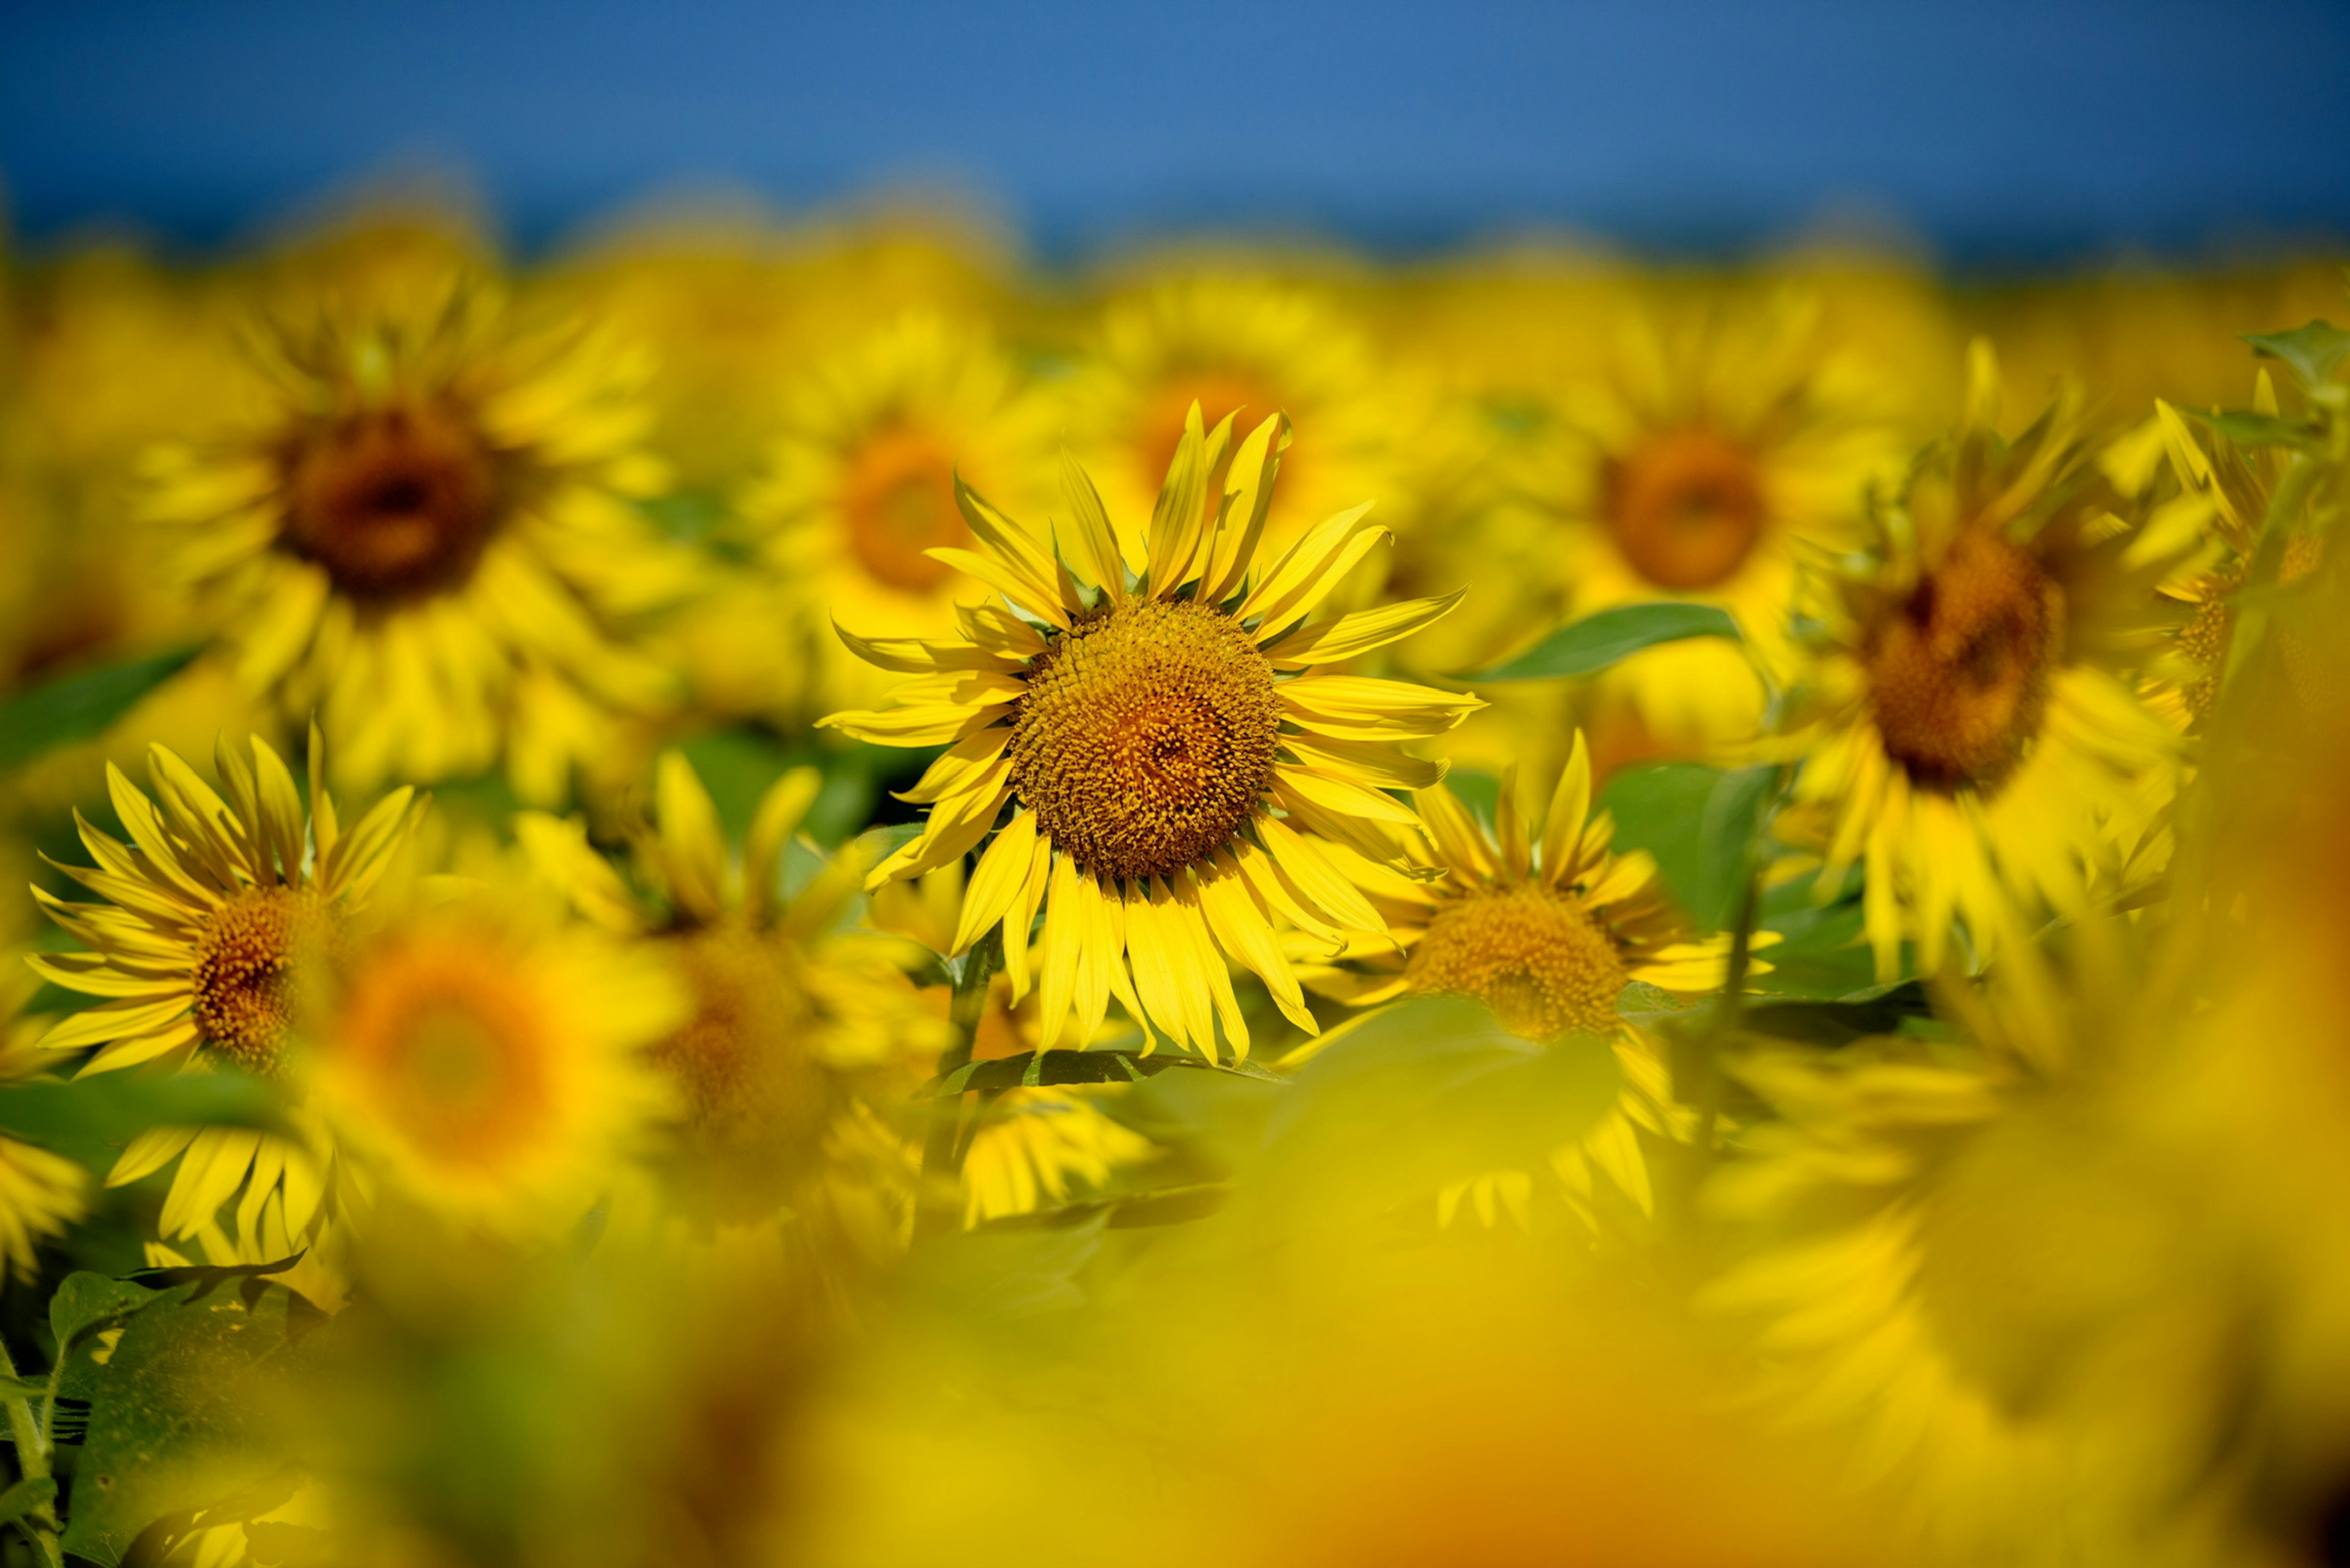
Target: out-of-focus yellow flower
{"points": [[419, 525], [1141, 723], [1976, 723], [41, 1193], [1245, 348], [860, 485], [485, 1059], [1542, 923]]}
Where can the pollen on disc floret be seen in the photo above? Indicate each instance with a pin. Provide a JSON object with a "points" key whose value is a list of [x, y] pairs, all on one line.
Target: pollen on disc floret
{"points": [[1532, 954], [243, 972], [1146, 737]]}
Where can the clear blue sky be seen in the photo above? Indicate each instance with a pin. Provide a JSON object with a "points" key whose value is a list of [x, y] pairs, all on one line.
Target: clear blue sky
{"points": [[1995, 130]]}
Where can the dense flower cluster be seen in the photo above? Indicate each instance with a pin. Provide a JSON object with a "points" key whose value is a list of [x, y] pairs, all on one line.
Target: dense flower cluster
{"points": [[763, 897]]}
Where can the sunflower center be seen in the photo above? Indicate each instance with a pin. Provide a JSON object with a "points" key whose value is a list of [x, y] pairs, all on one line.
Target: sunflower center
{"points": [[1958, 671], [1685, 508], [1146, 737], [396, 502], [244, 975], [742, 1061], [898, 498], [1534, 957], [458, 1052]]}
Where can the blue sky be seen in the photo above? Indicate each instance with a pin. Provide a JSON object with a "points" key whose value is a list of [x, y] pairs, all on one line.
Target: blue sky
{"points": [[1993, 129]]}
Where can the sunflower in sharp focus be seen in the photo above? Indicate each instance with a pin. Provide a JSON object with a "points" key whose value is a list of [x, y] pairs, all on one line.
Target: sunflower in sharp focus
{"points": [[213, 910], [1543, 924], [861, 483], [794, 1020], [1174, 745], [486, 1059], [1977, 736], [1713, 453], [420, 526], [1242, 348]]}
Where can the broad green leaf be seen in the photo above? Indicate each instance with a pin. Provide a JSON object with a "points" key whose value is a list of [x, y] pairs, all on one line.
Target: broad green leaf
{"points": [[1590, 645], [1126, 1212], [19, 1500], [2262, 430], [1697, 821], [994, 1276], [1838, 1023], [689, 516], [114, 1107], [181, 1414], [2309, 351], [78, 707], [1049, 1068]]}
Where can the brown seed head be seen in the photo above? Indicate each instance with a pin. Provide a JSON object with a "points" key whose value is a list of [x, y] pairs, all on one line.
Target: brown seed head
{"points": [[1685, 507], [396, 502], [1532, 954]]}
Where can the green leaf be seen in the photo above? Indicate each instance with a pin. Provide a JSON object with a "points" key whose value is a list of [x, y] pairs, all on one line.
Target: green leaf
{"points": [[114, 1107], [179, 1417], [2311, 351], [21, 1499], [1050, 1068], [2262, 430], [77, 707], [1882, 1011], [1698, 822], [1590, 645]]}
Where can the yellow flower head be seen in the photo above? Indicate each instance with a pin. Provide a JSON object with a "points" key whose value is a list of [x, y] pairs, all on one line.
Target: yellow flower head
{"points": [[41, 1193], [861, 480], [1242, 348], [487, 1060], [1978, 724], [420, 527], [1174, 747], [788, 1011]]}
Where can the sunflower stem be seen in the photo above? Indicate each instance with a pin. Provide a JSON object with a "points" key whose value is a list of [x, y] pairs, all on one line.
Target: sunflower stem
{"points": [[33, 1464], [942, 1148]]}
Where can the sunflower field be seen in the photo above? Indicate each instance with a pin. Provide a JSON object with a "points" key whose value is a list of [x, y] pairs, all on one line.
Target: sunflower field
{"points": [[809, 896]]}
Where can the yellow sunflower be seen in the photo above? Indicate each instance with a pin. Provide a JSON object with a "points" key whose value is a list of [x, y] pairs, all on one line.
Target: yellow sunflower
{"points": [[420, 526], [211, 910], [1543, 923], [1717, 448], [1989, 1268], [860, 482], [1976, 729], [41, 1193], [1176, 745], [796, 1017], [487, 1060], [1243, 349]]}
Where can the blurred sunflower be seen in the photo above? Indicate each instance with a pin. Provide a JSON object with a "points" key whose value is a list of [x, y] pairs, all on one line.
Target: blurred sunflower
{"points": [[1542, 923], [1716, 448], [487, 1060], [41, 1193], [860, 482], [213, 909], [1172, 782], [1242, 348], [1975, 720], [795, 1021], [419, 525]]}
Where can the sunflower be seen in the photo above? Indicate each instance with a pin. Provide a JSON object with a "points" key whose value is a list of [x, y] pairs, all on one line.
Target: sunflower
{"points": [[422, 527], [212, 909], [1543, 924], [1715, 450], [487, 1059], [1245, 348], [1176, 747], [860, 482], [1987, 1266], [1975, 727], [41, 1193], [794, 1019]]}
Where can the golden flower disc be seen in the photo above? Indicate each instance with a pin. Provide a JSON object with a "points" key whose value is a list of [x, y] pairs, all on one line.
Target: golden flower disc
{"points": [[395, 502], [1146, 737], [1686, 507], [742, 1063], [898, 498], [1532, 955], [451, 1049], [243, 972], [1958, 671]]}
